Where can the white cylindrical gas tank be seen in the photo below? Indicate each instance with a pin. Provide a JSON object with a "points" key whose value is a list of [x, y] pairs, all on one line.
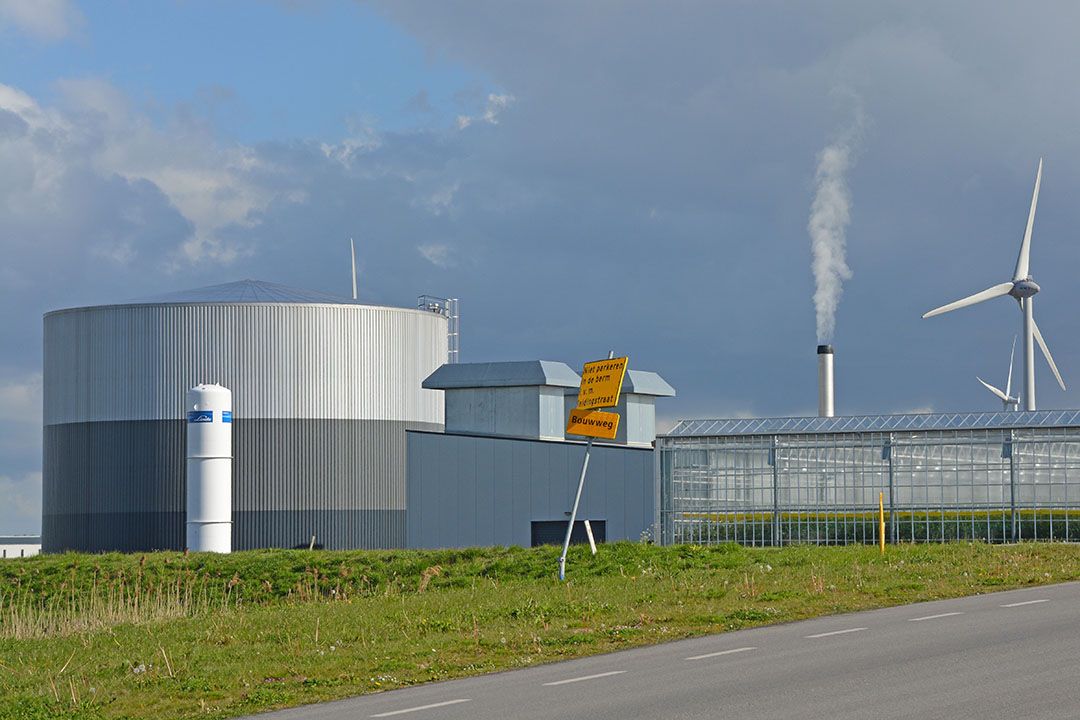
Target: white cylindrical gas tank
{"points": [[209, 469]]}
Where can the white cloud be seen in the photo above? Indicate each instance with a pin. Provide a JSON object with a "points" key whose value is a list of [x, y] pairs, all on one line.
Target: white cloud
{"points": [[361, 141], [495, 105], [437, 254], [43, 19], [441, 201], [20, 400], [21, 510], [20, 420], [20, 447], [215, 186]]}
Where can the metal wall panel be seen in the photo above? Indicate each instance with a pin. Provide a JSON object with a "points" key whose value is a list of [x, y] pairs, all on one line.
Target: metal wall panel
{"points": [[552, 417], [533, 411], [468, 490], [135, 362], [121, 485], [486, 506], [638, 425]]}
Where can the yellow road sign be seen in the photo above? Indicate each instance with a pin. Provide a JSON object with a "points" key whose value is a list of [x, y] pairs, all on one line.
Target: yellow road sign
{"points": [[601, 383], [593, 423]]}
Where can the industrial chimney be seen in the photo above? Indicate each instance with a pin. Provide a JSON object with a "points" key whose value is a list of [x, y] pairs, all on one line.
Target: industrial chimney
{"points": [[825, 380]]}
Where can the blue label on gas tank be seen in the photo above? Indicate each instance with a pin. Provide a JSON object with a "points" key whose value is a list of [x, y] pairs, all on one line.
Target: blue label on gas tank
{"points": [[200, 416], [226, 416]]}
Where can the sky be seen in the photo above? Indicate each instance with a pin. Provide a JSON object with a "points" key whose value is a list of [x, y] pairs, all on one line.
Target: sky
{"points": [[652, 178]]}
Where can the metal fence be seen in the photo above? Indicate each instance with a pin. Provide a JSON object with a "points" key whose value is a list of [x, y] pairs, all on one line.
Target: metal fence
{"points": [[995, 485]]}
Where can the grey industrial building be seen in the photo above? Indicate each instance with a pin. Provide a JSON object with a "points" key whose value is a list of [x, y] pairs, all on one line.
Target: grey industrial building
{"points": [[338, 428], [324, 389], [19, 546], [503, 472]]}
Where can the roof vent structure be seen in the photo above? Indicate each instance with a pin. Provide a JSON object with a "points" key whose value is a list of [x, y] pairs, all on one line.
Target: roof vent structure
{"points": [[512, 399]]}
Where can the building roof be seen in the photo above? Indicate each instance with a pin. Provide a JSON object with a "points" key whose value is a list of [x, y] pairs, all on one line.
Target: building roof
{"points": [[20, 539], [243, 291], [502, 374], [876, 423], [643, 382]]}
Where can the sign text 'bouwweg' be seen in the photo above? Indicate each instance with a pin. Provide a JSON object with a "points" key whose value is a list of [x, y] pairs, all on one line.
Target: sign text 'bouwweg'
{"points": [[593, 423]]}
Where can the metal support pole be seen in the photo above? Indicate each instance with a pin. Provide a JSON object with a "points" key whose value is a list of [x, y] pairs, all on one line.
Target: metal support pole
{"points": [[592, 539], [1015, 533], [892, 493], [881, 521], [776, 539], [577, 501], [573, 513]]}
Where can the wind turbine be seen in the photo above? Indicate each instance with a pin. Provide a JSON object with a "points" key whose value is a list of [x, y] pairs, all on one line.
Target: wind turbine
{"points": [[1023, 288], [1010, 402]]}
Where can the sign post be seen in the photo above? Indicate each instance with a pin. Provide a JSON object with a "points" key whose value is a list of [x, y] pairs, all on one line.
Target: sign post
{"points": [[881, 521], [601, 383]]}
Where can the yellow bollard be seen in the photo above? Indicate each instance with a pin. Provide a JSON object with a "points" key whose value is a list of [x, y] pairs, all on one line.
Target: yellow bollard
{"points": [[881, 520]]}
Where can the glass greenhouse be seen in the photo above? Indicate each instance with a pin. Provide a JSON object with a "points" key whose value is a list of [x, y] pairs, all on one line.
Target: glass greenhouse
{"points": [[998, 477]]}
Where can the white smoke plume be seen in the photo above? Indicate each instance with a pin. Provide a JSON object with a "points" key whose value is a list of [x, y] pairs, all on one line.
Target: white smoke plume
{"points": [[830, 214]]}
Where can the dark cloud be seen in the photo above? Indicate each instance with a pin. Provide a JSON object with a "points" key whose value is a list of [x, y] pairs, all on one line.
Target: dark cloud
{"points": [[637, 177], [679, 140]]}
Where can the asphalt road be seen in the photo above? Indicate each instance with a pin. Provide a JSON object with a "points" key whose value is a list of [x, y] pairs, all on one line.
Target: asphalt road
{"points": [[1004, 655]]}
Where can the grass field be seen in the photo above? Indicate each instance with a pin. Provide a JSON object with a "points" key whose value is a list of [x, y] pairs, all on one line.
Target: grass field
{"points": [[164, 636]]}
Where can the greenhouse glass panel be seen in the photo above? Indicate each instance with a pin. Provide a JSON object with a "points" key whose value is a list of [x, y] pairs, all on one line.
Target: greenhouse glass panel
{"points": [[996, 477]]}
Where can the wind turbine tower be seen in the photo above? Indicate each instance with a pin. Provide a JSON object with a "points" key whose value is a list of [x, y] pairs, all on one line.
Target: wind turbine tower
{"points": [[1023, 288]]}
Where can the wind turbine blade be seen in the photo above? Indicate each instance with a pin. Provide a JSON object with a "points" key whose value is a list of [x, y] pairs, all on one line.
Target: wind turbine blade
{"points": [[1046, 352], [1012, 354], [994, 390], [1025, 247], [991, 292]]}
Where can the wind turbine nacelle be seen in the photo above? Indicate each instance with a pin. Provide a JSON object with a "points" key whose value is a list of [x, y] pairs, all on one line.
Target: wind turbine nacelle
{"points": [[1024, 288]]}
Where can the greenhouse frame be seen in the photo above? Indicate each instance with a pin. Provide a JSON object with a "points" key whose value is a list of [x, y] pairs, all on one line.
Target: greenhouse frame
{"points": [[995, 477]]}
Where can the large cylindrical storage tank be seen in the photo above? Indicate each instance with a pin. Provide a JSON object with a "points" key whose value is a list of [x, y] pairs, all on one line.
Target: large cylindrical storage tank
{"points": [[323, 390]]}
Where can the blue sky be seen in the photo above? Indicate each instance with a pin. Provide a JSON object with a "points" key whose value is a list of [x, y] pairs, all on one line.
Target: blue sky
{"points": [[491, 150], [258, 70]]}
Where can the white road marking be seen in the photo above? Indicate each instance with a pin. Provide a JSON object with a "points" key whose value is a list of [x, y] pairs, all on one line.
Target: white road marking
{"points": [[722, 652], [587, 677], [1026, 602], [834, 632], [934, 617], [421, 707]]}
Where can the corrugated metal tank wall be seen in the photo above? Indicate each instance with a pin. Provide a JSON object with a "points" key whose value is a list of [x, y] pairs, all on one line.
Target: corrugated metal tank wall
{"points": [[323, 394]]}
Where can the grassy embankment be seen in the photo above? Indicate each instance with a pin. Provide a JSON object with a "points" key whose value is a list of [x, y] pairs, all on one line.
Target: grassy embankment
{"points": [[163, 635]]}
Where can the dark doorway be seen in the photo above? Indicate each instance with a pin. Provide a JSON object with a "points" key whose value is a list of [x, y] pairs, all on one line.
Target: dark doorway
{"points": [[553, 532]]}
